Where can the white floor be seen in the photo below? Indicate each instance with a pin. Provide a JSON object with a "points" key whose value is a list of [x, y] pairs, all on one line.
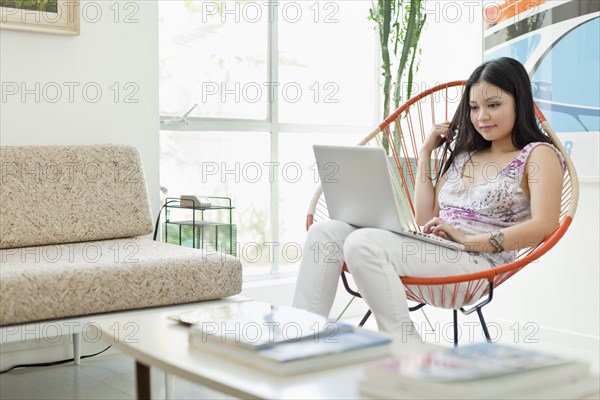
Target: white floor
{"points": [[102, 377]]}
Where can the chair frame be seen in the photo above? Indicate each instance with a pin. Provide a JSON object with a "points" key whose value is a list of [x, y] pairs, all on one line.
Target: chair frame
{"points": [[417, 287]]}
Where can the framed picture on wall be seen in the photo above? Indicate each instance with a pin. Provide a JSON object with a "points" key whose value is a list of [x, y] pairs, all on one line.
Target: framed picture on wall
{"points": [[44, 16], [558, 42]]}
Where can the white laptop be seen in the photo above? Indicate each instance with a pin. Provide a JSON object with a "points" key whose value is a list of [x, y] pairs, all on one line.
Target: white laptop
{"points": [[358, 190]]}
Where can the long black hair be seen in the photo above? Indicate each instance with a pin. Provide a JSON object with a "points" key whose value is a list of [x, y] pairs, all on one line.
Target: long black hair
{"points": [[510, 76]]}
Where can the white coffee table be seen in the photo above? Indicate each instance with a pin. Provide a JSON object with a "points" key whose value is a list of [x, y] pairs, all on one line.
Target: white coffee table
{"points": [[156, 341]]}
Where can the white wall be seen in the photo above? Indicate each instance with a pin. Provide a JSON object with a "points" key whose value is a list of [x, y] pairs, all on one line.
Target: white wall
{"points": [[451, 42], [104, 53], [107, 51]]}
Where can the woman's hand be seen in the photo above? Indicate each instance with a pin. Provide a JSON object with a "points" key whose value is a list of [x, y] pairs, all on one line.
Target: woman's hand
{"points": [[439, 134], [444, 230]]}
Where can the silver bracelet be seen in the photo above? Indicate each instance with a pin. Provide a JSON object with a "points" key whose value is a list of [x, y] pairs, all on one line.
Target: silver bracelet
{"points": [[496, 239]]}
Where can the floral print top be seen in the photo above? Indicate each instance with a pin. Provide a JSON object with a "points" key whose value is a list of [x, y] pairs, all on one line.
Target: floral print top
{"points": [[496, 203]]}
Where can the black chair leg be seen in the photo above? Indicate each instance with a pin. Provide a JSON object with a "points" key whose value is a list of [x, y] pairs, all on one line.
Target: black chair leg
{"points": [[347, 286], [478, 308], [365, 318], [355, 294], [486, 332], [455, 318], [368, 313]]}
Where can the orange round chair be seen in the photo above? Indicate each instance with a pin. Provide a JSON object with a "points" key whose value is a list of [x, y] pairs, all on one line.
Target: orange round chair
{"points": [[405, 130]]}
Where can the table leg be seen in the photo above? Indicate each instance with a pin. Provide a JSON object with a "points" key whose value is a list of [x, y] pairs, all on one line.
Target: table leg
{"points": [[142, 373]]}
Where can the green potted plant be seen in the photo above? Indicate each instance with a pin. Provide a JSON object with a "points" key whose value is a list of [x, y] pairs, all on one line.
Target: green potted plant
{"points": [[399, 24]]}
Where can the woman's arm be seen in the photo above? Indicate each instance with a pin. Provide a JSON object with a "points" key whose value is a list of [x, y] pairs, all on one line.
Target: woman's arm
{"points": [[543, 181], [426, 204]]}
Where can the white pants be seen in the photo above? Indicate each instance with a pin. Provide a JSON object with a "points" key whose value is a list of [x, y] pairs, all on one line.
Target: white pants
{"points": [[376, 258]]}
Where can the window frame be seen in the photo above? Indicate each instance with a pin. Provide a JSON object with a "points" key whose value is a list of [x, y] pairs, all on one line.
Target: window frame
{"points": [[272, 125]]}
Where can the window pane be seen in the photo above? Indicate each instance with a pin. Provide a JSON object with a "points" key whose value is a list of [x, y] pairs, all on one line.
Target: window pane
{"points": [[228, 164], [298, 182], [213, 54], [327, 63]]}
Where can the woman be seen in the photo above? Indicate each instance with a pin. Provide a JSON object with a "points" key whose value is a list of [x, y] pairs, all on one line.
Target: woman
{"points": [[499, 191]]}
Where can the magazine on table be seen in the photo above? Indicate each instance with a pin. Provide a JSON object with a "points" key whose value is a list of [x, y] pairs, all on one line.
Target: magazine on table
{"points": [[257, 325], [472, 371], [577, 388], [473, 361]]}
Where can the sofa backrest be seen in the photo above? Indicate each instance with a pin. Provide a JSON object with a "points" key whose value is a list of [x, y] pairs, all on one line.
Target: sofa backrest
{"points": [[64, 194]]}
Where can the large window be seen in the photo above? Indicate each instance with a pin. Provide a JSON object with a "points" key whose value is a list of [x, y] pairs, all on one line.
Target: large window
{"points": [[212, 54], [268, 80]]}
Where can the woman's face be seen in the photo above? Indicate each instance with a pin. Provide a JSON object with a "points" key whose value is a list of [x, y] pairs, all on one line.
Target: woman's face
{"points": [[492, 111]]}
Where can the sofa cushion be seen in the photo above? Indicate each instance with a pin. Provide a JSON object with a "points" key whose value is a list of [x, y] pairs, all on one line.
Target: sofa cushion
{"points": [[64, 194], [66, 280]]}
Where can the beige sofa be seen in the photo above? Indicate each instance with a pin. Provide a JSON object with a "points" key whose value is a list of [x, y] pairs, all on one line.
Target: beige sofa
{"points": [[74, 239]]}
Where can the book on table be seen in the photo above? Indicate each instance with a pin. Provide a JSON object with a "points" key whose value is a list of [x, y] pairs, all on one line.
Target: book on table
{"points": [[483, 370], [304, 355], [278, 339]]}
